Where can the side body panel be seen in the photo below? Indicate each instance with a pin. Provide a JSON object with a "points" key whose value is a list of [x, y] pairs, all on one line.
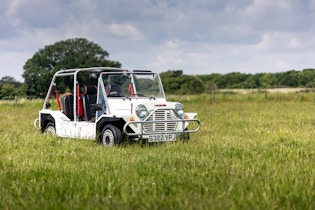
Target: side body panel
{"points": [[67, 128]]}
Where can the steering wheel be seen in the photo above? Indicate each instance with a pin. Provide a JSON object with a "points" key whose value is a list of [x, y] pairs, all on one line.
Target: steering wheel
{"points": [[115, 94]]}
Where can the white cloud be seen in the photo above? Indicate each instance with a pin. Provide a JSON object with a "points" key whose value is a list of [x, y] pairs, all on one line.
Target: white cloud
{"points": [[265, 42], [294, 42], [124, 31], [199, 36], [169, 55], [283, 65]]}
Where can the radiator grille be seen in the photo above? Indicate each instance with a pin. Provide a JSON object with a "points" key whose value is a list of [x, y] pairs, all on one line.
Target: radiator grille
{"points": [[160, 115]]}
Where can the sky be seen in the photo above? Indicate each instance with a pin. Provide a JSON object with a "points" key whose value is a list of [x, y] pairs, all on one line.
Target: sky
{"points": [[198, 37]]}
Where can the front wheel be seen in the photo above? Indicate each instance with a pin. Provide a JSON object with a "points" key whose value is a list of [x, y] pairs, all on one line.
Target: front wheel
{"points": [[50, 129], [111, 136]]}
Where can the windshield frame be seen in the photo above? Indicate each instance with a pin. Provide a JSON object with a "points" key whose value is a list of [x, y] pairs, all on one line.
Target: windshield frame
{"points": [[132, 85]]}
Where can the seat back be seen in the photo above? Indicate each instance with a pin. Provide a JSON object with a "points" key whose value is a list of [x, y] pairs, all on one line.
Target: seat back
{"points": [[67, 105], [89, 98]]}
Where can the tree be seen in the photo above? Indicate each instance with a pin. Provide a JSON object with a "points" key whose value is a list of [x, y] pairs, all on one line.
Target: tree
{"points": [[9, 88], [176, 82], [252, 81], [306, 78], [266, 80], [287, 79], [71, 53], [8, 79], [190, 85], [170, 80]]}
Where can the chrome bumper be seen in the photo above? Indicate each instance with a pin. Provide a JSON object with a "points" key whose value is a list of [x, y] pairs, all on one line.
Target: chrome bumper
{"points": [[179, 128]]}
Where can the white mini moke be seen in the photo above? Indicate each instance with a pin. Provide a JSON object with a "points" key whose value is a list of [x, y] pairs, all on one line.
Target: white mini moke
{"points": [[110, 105]]}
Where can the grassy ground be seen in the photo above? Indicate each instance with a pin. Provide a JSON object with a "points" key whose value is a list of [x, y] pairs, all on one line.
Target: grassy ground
{"points": [[254, 151]]}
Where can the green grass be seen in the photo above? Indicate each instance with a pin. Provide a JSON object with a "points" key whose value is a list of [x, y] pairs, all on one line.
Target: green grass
{"points": [[254, 151]]}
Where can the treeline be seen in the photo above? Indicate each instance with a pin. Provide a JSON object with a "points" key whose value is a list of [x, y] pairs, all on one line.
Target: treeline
{"points": [[10, 88], [175, 82], [292, 78]]}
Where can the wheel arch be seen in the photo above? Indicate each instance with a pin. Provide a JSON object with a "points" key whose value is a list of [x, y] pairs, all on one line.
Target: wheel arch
{"points": [[45, 119], [118, 122]]}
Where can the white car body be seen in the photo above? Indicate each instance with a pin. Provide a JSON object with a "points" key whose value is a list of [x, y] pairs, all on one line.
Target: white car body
{"points": [[137, 110]]}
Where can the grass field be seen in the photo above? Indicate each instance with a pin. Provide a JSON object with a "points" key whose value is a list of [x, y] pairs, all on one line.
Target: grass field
{"points": [[253, 151]]}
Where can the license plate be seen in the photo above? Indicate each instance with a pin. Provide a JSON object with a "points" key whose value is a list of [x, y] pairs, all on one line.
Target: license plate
{"points": [[162, 137]]}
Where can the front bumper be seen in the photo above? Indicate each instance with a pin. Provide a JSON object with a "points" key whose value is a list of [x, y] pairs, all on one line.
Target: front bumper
{"points": [[146, 128]]}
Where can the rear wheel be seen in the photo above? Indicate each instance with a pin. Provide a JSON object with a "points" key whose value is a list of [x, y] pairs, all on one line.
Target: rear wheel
{"points": [[111, 136], [50, 129]]}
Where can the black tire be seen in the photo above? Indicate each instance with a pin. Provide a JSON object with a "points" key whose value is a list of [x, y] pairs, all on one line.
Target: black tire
{"points": [[50, 129], [110, 136]]}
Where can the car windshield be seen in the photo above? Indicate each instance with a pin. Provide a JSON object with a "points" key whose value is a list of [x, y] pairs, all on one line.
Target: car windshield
{"points": [[132, 85]]}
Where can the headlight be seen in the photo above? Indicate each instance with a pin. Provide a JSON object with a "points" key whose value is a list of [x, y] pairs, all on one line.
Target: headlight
{"points": [[179, 108], [142, 111]]}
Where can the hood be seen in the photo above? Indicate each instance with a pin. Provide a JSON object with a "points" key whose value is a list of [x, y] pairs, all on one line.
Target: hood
{"points": [[122, 107]]}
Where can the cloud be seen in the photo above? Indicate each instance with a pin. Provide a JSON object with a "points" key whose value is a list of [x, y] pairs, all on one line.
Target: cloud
{"points": [[33, 13], [199, 37], [294, 43], [124, 31], [265, 42]]}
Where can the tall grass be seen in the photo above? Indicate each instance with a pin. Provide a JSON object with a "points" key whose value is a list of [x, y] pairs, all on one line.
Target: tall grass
{"points": [[253, 151]]}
